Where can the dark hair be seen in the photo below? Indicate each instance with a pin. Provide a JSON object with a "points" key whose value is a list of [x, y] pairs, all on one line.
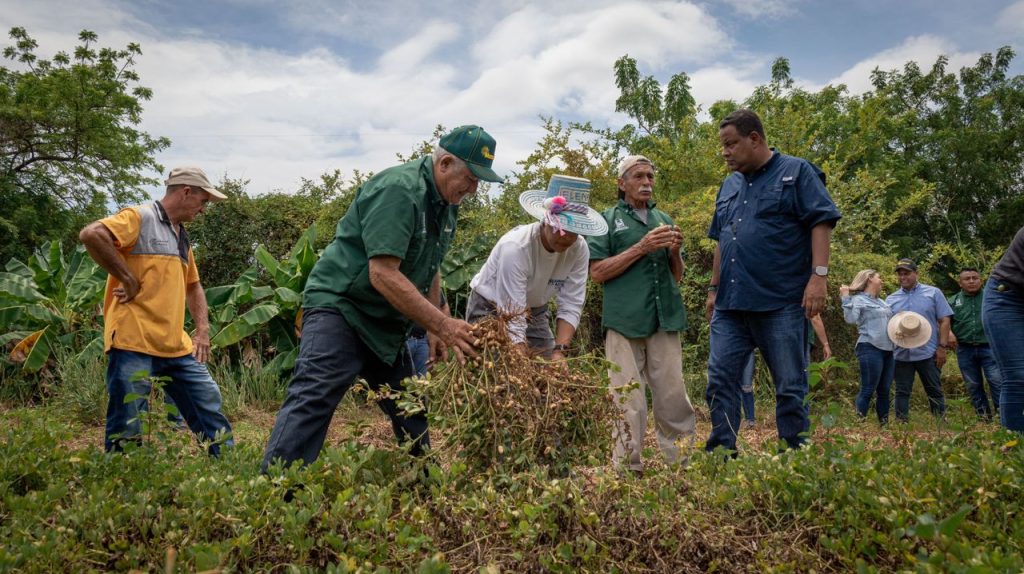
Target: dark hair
{"points": [[745, 121], [974, 269]]}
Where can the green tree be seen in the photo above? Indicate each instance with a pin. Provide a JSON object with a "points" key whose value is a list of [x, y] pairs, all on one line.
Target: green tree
{"points": [[226, 236], [69, 141], [965, 134]]}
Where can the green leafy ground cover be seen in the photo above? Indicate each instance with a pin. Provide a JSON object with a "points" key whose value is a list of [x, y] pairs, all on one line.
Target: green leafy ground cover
{"points": [[921, 497]]}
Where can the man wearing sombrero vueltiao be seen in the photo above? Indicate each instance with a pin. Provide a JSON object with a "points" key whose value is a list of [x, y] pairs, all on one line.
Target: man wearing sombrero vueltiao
{"points": [[639, 263], [532, 264]]}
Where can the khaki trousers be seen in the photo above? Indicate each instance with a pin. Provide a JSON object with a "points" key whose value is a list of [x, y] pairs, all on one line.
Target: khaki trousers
{"points": [[655, 362]]}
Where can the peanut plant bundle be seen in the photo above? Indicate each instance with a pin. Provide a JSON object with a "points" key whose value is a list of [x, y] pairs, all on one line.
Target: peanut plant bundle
{"points": [[509, 409]]}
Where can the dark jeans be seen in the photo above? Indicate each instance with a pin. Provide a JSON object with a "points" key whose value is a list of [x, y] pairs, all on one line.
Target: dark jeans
{"points": [[331, 356], [191, 388], [876, 373], [781, 336], [929, 373], [747, 388], [1003, 318], [975, 360], [419, 350]]}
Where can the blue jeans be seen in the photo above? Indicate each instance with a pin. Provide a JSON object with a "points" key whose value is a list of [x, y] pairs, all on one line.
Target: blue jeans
{"points": [[331, 356], [975, 360], [876, 372], [1003, 318], [930, 380], [191, 388], [419, 350], [747, 388], [781, 335]]}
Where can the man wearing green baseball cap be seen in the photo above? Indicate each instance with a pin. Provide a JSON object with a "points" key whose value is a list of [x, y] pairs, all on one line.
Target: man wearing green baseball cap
{"points": [[380, 274], [474, 146]]}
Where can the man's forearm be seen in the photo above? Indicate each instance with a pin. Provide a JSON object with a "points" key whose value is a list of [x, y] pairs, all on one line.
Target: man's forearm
{"points": [[944, 324], [195, 298], [675, 264], [563, 332], [403, 295], [610, 268], [434, 294], [99, 243], [821, 244], [716, 265]]}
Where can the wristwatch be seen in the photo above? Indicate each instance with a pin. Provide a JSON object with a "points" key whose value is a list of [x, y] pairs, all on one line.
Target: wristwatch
{"points": [[560, 348], [820, 270]]}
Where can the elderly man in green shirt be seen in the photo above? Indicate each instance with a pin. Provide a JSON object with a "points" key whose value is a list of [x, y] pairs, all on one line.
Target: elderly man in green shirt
{"points": [[973, 354], [639, 263], [378, 276]]}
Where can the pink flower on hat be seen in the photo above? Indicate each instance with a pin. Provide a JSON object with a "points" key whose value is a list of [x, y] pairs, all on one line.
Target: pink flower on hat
{"points": [[554, 206]]}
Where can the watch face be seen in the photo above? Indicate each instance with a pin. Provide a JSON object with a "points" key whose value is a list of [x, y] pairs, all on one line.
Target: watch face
{"points": [[821, 270]]}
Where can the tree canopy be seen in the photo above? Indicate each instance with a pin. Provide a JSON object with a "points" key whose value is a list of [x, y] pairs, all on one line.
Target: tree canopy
{"points": [[69, 142]]}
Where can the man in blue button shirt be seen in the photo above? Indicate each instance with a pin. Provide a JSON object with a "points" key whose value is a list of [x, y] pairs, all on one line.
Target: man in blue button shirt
{"points": [[926, 361], [773, 223]]}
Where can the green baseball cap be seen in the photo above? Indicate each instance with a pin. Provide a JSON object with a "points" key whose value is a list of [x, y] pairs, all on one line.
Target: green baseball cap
{"points": [[474, 146]]}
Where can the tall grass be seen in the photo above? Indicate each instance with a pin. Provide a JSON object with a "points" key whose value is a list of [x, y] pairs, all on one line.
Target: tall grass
{"points": [[81, 390], [247, 385]]}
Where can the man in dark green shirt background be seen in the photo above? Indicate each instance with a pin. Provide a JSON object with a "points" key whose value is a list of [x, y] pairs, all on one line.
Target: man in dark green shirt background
{"points": [[380, 274], [973, 354], [640, 265]]}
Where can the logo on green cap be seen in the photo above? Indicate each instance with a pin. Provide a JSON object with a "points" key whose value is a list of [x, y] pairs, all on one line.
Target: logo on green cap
{"points": [[473, 145]]}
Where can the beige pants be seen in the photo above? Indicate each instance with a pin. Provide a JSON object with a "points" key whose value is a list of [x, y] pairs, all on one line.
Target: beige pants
{"points": [[655, 362]]}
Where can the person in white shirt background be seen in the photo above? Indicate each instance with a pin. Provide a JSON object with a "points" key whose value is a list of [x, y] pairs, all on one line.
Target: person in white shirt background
{"points": [[532, 264]]}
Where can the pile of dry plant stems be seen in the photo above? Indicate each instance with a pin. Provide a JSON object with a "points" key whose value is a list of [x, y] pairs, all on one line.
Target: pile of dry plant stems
{"points": [[511, 410]]}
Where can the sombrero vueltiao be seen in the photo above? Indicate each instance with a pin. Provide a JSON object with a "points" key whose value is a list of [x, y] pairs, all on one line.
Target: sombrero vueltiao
{"points": [[565, 205]]}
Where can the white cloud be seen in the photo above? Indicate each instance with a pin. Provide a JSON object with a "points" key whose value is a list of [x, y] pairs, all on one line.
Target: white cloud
{"points": [[760, 9], [1011, 19], [924, 50], [715, 83], [274, 117]]}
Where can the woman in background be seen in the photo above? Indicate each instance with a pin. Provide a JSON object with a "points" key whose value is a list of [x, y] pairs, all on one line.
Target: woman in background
{"points": [[874, 348]]}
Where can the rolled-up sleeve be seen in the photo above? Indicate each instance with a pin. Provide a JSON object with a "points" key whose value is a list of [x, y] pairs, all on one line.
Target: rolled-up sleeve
{"points": [[813, 202], [851, 313], [573, 294]]}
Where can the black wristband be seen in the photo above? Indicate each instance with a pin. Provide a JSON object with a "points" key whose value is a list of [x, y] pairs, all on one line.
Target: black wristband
{"points": [[560, 348]]}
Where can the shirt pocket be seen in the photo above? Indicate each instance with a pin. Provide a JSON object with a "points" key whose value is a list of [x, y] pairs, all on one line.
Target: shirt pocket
{"points": [[723, 208], [771, 200]]}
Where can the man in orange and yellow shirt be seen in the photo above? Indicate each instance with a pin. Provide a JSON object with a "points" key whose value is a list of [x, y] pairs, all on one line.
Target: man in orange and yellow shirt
{"points": [[152, 277]]}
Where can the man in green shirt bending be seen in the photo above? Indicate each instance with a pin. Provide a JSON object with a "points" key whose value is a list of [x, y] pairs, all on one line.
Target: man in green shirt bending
{"points": [[973, 354], [378, 276], [640, 265]]}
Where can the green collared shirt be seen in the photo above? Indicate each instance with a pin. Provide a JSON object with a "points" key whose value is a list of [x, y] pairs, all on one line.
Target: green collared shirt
{"points": [[645, 298], [397, 212], [967, 318]]}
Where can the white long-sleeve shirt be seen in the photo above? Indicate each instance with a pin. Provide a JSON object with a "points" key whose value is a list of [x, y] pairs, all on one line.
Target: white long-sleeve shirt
{"points": [[520, 274]]}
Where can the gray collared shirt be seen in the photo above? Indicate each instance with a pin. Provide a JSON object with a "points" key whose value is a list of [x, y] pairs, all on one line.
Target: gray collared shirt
{"points": [[932, 305]]}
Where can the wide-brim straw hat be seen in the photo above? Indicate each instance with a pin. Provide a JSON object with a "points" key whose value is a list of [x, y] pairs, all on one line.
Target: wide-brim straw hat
{"points": [[574, 214], [909, 330]]}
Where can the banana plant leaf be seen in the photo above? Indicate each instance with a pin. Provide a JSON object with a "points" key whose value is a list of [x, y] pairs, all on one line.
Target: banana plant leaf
{"points": [[33, 351], [19, 268], [246, 325], [283, 362], [21, 288], [93, 349]]}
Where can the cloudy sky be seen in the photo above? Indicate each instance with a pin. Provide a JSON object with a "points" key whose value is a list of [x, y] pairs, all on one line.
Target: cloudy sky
{"points": [[274, 91]]}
